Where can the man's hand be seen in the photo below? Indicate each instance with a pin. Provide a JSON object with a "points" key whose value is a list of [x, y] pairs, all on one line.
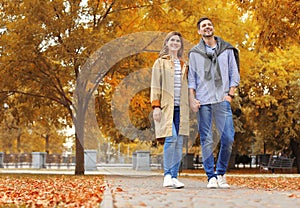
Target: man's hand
{"points": [[228, 98], [157, 114], [195, 105]]}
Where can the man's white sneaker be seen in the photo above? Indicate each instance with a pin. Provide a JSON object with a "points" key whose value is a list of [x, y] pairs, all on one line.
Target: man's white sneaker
{"points": [[212, 183], [168, 181], [177, 184], [222, 182]]}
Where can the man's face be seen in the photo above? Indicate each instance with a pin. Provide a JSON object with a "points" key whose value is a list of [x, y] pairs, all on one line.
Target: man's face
{"points": [[206, 28]]}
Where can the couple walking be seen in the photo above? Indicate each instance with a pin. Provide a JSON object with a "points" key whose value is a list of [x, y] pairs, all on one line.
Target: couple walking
{"points": [[208, 86]]}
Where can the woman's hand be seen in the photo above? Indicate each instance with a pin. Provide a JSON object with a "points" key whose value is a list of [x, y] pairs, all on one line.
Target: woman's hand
{"points": [[157, 114]]}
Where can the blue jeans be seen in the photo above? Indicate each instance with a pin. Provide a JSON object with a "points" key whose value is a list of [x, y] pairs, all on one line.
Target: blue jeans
{"points": [[221, 114], [173, 148]]}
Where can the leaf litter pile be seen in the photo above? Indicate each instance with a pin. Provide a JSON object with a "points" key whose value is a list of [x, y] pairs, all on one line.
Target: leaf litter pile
{"points": [[87, 191], [51, 191], [264, 182], [267, 183]]}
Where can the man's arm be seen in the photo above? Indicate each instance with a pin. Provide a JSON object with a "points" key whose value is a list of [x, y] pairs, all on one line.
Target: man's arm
{"points": [[192, 76], [194, 103], [230, 95], [234, 76]]}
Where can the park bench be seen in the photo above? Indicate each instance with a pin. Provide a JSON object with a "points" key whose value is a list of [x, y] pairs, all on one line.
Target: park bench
{"points": [[278, 163], [262, 159], [198, 164]]}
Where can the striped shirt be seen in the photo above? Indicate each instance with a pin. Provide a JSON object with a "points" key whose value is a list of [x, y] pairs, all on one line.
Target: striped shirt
{"points": [[177, 82]]}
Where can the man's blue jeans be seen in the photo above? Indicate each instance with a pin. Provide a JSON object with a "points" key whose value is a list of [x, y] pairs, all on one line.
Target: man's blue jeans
{"points": [[173, 148], [221, 114]]}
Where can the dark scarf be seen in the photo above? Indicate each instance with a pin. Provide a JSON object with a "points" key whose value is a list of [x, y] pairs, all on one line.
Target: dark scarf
{"points": [[211, 60]]}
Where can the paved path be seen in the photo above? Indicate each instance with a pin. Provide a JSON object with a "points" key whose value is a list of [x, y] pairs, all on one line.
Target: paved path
{"points": [[145, 190], [127, 188]]}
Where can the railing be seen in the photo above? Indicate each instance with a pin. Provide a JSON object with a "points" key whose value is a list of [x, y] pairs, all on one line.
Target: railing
{"points": [[25, 160], [57, 161], [17, 160]]}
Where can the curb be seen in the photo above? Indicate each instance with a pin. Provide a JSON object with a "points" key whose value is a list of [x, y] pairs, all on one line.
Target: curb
{"points": [[107, 201]]}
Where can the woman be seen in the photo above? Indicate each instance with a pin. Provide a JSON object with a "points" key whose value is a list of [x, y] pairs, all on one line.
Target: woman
{"points": [[169, 100]]}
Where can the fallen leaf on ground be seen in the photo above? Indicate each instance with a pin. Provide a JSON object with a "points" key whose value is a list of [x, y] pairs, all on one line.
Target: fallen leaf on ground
{"points": [[51, 190]]}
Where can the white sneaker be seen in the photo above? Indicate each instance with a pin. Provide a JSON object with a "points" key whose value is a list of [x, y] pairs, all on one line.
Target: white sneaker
{"points": [[212, 183], [168, 181], [177, 184], [222, 182]]}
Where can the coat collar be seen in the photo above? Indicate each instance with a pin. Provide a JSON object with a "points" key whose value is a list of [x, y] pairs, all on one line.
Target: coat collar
{"points": [[168, 57]]}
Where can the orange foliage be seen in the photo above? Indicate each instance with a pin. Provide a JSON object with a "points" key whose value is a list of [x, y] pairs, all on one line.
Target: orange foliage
{"points": [[51, 191]]}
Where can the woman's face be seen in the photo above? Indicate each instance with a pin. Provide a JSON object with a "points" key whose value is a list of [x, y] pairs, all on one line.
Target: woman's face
{"points": [[174, 43]]}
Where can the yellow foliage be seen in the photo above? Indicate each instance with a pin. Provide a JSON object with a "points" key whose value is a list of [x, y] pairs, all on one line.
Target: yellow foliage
{"points": [[46, 43]]}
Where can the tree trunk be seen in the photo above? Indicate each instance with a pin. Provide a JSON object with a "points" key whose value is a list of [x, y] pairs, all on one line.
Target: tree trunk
{"points": [[79, 169], [19, 140], [19, 143], [47, 143], [79, 122], [295, 146]]}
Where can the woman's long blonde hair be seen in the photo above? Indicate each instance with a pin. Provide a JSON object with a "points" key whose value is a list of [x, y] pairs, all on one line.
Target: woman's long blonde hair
{"points": [[165, 49]]}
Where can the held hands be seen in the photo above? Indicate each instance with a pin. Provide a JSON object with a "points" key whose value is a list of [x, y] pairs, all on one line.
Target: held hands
{"points": [[157, 114], [195, 105]]}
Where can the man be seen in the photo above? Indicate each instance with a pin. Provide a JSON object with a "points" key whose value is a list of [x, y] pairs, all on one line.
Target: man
{"points": [[212, 78]]}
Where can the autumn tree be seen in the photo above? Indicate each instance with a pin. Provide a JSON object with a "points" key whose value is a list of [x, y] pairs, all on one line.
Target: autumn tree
{"points": [[44, 46], [26, 127], [42, 50], [45, 43], [44, 60], [270, 87]]}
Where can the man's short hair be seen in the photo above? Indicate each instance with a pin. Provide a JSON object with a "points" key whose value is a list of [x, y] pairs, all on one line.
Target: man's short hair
{"points": [[202, 19]]}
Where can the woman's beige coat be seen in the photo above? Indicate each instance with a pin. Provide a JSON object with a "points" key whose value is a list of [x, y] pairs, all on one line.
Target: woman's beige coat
{"points": [[162, 95]]}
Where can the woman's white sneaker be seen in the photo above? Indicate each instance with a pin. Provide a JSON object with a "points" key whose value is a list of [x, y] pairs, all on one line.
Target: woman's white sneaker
{"points": [[212, 183], [177, 184], [168, 181]]}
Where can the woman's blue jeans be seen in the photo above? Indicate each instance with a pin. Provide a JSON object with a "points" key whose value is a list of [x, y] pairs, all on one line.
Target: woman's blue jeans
{"points": [[221, 114], [173, 148]]}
